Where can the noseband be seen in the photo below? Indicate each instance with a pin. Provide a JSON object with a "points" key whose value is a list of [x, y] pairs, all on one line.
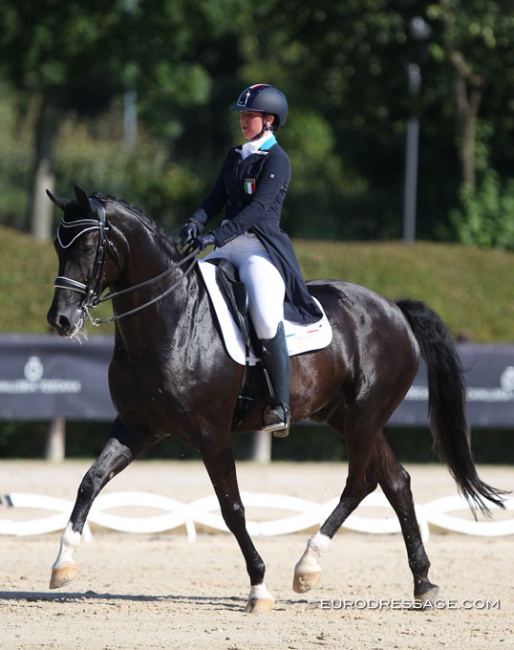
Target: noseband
{"points": [[93, 288]]}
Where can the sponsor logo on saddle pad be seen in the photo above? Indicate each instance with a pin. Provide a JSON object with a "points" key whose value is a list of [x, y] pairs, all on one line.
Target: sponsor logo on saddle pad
{"points": [[300, 338]]}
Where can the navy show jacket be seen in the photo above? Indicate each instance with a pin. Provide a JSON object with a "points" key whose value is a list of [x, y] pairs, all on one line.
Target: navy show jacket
{"points": [[252, 192]]}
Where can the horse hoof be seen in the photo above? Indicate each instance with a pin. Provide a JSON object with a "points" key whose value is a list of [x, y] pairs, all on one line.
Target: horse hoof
{"points": [[304, 581], [427, 596], [63, 575], [259, 605]]}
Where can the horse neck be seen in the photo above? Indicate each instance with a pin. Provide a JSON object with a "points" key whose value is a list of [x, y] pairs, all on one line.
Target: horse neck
{"points": [[147, 253]]}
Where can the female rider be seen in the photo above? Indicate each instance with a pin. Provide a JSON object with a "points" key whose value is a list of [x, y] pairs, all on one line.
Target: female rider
{"points": [[251, 187]]}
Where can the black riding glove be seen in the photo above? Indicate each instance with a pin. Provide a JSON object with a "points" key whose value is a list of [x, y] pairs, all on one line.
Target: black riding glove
{"points": [[200, 243], [188, 232]]}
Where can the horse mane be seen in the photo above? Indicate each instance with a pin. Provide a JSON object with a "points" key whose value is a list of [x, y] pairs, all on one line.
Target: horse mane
{"points": [[135, 211]]}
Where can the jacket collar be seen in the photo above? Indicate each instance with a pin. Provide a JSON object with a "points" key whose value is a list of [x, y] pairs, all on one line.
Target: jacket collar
{"points": [[259, 147]]}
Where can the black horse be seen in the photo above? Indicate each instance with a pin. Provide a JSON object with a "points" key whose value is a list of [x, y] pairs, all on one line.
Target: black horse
{"points": [[170, 375]]}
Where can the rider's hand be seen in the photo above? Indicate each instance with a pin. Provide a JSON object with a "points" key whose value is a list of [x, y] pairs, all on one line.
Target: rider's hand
{"points": [[201, 242], [188, 232]]}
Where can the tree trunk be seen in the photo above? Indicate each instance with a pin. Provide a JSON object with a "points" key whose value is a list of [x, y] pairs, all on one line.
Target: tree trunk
{"points": [[468, 97], [40, 207]]}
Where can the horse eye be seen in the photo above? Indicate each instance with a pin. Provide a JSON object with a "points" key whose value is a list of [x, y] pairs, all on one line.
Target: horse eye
{"points": [[88, 248]]}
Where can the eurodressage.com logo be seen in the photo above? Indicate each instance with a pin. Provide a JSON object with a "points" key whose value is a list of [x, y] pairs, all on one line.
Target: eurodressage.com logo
{"points": [[384, 604], [35, 383]]}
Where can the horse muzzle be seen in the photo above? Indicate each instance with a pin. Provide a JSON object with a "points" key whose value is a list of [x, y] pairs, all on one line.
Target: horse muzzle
{"points": [[66, 322]]}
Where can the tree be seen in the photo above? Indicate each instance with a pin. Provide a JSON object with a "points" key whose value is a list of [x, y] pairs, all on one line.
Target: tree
{"points": [[45, 47], [348, 60], [476, 38], [343, 65], [71, 54]]}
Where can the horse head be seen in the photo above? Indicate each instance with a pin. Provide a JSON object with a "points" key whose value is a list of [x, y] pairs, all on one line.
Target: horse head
{"points": [[81, 244], [126, 253]]}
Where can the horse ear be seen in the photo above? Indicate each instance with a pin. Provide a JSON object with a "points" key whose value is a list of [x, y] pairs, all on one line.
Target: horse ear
{"points": [[82, 198], [58, 200]]}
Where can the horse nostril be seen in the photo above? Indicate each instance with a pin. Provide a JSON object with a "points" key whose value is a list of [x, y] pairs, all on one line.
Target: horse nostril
{"points": [[63, 324], [59, 323]]}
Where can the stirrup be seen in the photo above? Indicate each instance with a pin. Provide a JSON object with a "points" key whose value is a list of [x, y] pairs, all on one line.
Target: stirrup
{"points": [[276, 420]]}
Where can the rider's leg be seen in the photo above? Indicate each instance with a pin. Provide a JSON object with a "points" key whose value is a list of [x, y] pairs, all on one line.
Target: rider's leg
{"points": [[266, 292], [276, 361]]}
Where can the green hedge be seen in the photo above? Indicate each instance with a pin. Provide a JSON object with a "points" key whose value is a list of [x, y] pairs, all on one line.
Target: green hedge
{"points": [[470, 288]]}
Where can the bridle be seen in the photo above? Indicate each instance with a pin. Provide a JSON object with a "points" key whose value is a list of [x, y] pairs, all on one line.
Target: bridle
{"points": [[93, 288]]}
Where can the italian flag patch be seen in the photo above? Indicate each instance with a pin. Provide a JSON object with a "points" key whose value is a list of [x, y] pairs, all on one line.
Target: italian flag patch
{"points": [[249, 185]]}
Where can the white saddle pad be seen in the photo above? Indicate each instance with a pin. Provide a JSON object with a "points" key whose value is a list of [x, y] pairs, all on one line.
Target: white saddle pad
{"points": [[300, 338]]}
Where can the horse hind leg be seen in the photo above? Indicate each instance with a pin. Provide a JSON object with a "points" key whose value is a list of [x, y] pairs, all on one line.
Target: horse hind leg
{"points": [[115, 456], [359, 484], [395, 483], [383, 468]]}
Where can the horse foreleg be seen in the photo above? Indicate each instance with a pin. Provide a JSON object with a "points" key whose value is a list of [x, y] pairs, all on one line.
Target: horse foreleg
{"points": [[221, 468], [395, 483], [115, 456], [64, 569]]}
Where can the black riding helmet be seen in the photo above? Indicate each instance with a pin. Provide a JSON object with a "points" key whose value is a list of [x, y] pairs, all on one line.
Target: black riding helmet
{"points": [[265, 99]]}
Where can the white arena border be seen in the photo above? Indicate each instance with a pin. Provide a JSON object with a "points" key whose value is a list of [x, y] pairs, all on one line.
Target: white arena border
{"points": [[205, 512]]}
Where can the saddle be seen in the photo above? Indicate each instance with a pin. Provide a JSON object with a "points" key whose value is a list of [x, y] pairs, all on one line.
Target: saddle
{"points": [[230, 302], [235, 294]]}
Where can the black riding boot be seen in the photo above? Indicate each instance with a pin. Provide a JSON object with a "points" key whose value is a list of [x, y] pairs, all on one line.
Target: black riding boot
{"points": [[276, 363]]}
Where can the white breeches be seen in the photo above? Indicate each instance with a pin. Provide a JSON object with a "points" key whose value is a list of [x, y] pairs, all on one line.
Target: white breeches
{"points": [[265, 285]]}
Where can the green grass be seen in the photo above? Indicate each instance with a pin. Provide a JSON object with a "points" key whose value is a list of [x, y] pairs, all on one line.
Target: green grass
{"points": [[27, 269], [470, 288], [27, 272]]}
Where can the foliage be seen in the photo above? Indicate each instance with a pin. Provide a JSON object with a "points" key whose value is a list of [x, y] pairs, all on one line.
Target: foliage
{"points": [[475, 39], [342, 64], [15, 163], [480, 34], [452, 279], [79, 56], [90, 154], [27, 269], [487, 214]]}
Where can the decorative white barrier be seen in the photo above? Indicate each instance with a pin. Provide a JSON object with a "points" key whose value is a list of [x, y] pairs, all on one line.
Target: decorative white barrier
{"points": [[205, 511]]}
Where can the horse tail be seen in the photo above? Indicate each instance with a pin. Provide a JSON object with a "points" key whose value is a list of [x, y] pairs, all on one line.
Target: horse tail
{"points": [[446, 402]]}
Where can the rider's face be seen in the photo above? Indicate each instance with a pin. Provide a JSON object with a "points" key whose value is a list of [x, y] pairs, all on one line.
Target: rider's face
{"points": [[252, 123]]}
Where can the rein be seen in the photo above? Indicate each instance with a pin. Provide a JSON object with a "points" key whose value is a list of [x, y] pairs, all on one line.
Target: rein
{"points": [[93, 288]]}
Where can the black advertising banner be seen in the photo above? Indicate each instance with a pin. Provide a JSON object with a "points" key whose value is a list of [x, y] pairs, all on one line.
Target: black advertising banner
{"points": [[489, 377], [44, 376]]}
